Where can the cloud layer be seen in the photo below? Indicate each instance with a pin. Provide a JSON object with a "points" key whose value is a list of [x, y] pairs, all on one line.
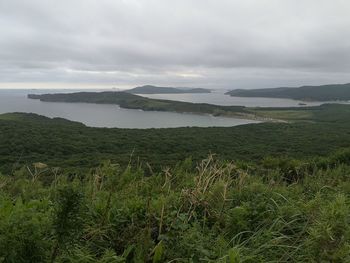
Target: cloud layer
{"points": [[212, 43]]}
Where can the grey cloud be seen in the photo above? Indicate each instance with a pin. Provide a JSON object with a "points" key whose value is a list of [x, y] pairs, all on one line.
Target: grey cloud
{"points": [[222, 43]]}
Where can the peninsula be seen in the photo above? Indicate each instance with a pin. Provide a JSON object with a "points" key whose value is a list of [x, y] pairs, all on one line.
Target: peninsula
{"points": [[332, 92]]}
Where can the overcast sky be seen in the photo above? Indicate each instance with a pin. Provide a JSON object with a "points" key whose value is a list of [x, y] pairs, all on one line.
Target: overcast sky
{"points": [[200, 43]]}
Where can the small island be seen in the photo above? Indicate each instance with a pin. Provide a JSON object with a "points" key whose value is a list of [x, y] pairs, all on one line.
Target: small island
{"points": [[149, 89], [332, 92]]}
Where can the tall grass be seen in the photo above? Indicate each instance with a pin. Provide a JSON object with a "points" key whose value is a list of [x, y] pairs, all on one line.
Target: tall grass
{"points": [[280, 211]]}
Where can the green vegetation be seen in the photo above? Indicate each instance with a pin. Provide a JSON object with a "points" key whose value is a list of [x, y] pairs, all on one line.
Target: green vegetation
{"points": [[275, 192], [28, 138], [149, 89], [281, 211], [333, 92], [326, 113]]}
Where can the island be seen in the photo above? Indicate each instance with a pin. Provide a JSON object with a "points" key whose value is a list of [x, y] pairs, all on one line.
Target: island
{"points": [[331, 92], [149, 89]]}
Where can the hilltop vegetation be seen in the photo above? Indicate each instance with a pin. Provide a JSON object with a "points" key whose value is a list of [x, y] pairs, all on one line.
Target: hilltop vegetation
{"points": [[149, 89], [282, 211], [334, 92]]}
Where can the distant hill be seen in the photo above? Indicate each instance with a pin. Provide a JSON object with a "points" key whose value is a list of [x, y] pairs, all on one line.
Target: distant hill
{"points": [[332, 92], [149, 89]]}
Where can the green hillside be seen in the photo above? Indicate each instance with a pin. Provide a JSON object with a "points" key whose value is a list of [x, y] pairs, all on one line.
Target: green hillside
{"points": [[333, 92], [212, 211], [27, 138]]}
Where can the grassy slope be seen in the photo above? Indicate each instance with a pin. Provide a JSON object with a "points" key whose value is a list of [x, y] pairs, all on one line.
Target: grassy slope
{"points": [[312, 93], [219, 212]]}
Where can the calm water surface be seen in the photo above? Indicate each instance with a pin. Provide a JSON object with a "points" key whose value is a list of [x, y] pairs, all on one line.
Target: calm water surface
{"points": [[99, 115], [219, 98]]}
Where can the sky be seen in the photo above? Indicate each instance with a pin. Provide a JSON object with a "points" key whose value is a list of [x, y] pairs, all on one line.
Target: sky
{"points": [[218, 44]]}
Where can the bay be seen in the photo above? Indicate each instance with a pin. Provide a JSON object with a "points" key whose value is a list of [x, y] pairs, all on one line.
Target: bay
{"points": [[111, 116]]}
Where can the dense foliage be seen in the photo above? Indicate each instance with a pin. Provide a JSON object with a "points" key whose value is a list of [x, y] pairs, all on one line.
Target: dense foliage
{"points": [[28, 138], [282, 211], [313, 93]]}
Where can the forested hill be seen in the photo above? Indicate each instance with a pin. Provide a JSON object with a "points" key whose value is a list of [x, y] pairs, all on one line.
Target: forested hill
{"points": [[333, 92], [149, 89], [28, 138]]}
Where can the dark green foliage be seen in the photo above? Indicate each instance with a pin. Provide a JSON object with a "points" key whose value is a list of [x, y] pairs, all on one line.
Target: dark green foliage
{"points": [[28, 138], [24, 230], [67, 218]]}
